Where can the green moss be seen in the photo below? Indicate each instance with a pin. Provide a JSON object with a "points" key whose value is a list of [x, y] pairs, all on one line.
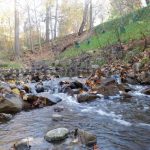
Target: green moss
{"points": [[145, 60]]}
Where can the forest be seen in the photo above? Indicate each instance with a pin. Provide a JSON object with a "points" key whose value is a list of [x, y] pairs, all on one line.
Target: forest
{"points": [[74, 74]]}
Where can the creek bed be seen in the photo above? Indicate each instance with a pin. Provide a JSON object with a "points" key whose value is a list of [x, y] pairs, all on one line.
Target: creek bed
{"points": [[118, 125]]}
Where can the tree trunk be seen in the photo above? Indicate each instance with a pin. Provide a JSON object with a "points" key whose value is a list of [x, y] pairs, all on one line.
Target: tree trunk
{"points": [[30, 29], [51, 23], [84, 20], [56, 19], [16, 40], [91, 16], [37, 27], [47, 21]]}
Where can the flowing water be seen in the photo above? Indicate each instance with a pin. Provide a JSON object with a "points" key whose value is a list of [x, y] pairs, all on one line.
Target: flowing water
{"points": [[118, 125]]}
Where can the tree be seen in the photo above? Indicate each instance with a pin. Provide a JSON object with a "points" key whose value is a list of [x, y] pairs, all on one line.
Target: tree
{"points": [[30, 28], [56, 19], [84, 20], [37, 26], [16, 40], [91, 15], [47, 21]]}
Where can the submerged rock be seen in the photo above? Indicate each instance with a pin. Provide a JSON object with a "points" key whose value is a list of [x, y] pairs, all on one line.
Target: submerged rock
{"points": [[57, 117], [58, 109], [85, 97], [56, 135]]}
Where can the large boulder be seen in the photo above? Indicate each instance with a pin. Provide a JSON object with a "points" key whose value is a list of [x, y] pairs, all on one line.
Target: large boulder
{"points": [[50, 97], [42, 99], [10, 103], [86, 97], [56, 135]]}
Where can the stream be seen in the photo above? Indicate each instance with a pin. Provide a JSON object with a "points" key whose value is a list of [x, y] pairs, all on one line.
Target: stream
{"points": [[118, 125]]}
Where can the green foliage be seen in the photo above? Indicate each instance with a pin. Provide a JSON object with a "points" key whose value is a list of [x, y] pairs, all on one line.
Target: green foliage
{"points": [[145, 60]]}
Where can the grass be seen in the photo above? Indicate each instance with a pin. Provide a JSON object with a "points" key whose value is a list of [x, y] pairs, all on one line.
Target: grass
{"points": [[10, 64], [6, 63], [133, 26]]}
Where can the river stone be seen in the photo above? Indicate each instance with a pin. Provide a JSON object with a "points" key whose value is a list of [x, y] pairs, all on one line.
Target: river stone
{"points": [[51, 98], [57, 134], [10, 103], [39, 88], [23, 144], [5, 86], [87, 138], [137, 66], [57, 117], [146, 91], [95, 66], [5, 117], [58, 109], [85, 97]]}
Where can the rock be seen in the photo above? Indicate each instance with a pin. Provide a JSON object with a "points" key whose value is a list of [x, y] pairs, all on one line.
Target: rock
{"points": [[126, 97], [85, 97], [146, 91], [50, 98], [5, 117], [67, 89], [10, 103], [124, 87], [76, 91], [57, 63], [23, 144], [56, 135], [75, 85], [5, 86], [35, 78], [86, 138], [131, 81], [57, 117], [144, 78], [131, 74], [39, 88], [109, 87], [137, 66], [108, 81], [42, 99], [95, 66], [58, 109]]}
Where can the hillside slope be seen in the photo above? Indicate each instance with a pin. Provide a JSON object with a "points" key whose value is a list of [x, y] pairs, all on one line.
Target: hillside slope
{"points": [[134, 26]]}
